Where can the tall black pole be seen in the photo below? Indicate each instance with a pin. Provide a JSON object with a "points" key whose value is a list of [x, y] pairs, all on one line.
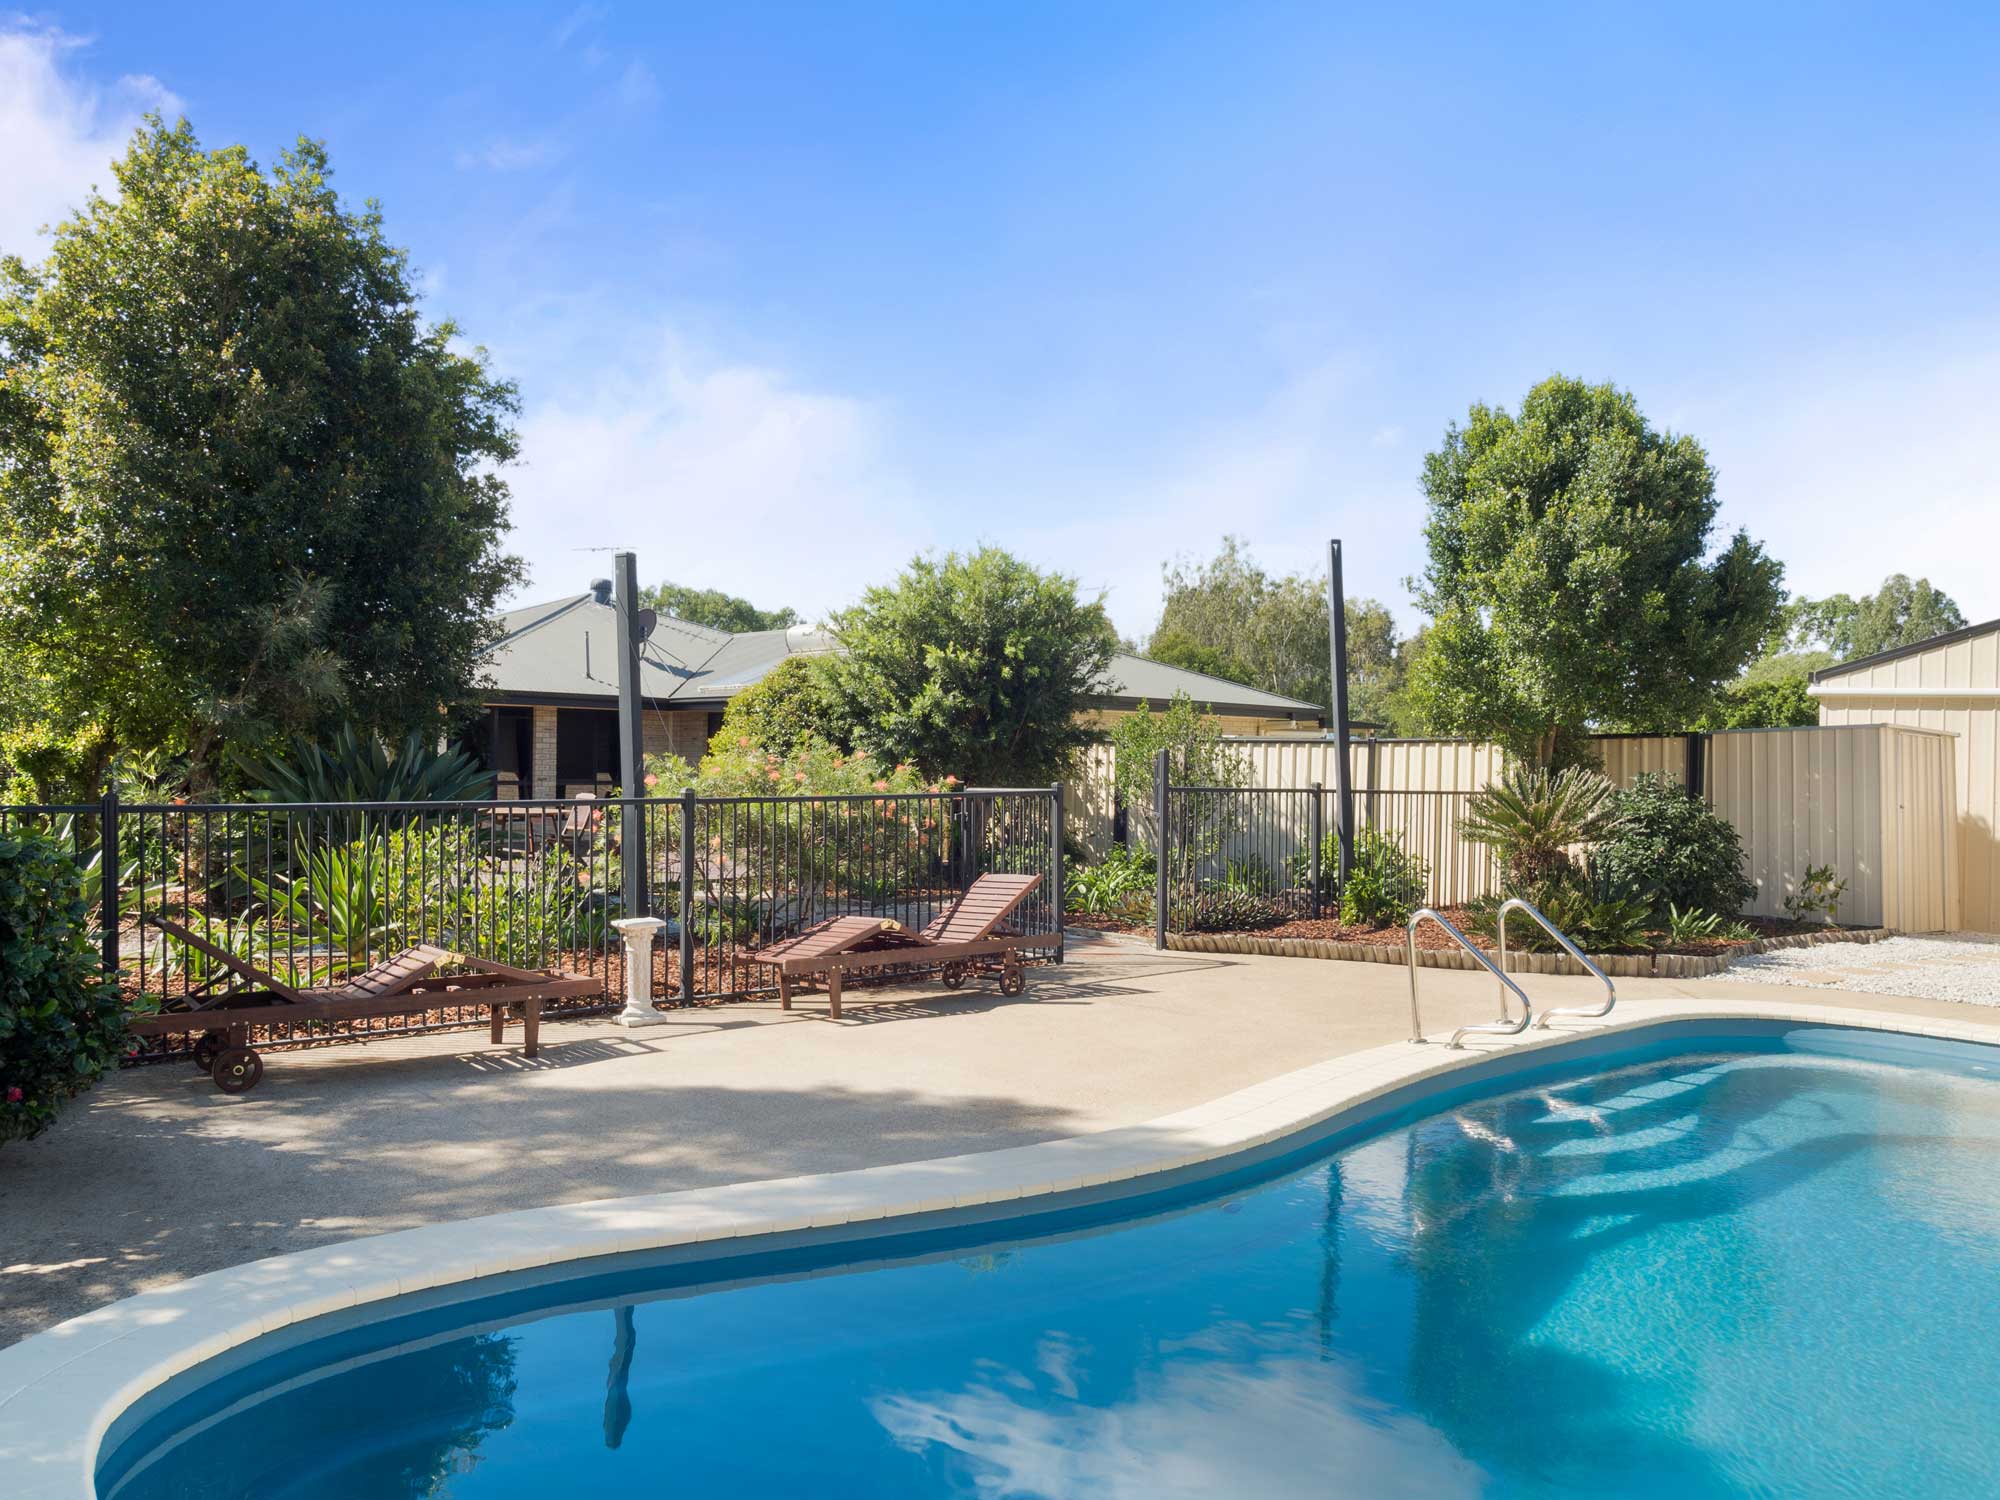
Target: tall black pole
{"points": [[631, 737], [1336, 611]]}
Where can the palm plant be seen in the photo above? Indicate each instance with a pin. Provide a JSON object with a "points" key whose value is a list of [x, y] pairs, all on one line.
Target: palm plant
{"points": [[1532, 819]]}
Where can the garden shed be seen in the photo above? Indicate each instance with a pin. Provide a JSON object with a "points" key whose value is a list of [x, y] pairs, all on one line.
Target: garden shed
{"points": [[1949, 684]]}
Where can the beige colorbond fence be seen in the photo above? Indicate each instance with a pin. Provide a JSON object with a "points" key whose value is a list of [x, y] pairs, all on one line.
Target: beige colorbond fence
{"points": [[1877, 802]]}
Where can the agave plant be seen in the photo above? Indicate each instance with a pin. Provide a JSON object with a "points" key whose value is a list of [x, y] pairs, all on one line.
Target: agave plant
{"points": [[1532, 819], [354, 766]]}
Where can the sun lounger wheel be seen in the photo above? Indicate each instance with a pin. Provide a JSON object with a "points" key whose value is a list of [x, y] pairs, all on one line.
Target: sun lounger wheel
{"points": [[205, 1050], [1013, 979], [237, 1069], [954, 975]]}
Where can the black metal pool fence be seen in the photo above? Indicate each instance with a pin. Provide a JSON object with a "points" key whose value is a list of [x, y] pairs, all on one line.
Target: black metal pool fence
{"points": [[310, 892], [1226, 852]]}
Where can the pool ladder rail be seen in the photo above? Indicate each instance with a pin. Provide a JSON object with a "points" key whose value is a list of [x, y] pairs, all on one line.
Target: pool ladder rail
{"points": [[1506, 1025]]}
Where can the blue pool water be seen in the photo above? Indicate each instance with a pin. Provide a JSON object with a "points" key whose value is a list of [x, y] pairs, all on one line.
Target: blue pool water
{"points": [[1760, 1267]]}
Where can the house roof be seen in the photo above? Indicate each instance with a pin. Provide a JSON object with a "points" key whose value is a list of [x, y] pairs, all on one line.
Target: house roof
{"points": [[565, 651], [1897, 653]]}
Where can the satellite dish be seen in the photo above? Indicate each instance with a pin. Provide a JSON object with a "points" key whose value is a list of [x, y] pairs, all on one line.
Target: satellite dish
{"points": [[643, 622]]}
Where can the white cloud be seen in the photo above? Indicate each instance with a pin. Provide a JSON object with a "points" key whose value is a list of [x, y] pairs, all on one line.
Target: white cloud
{"points": [[724, 474], [638, 87], [583, 18], [61, 131], [509, 156], [1237, 1420]]}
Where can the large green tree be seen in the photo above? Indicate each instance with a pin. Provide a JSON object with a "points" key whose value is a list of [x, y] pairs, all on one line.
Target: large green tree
{"points": [[715, 609], [1570, 580], [1228, 617], [1900, 613], [975, 666], [246, 488]]}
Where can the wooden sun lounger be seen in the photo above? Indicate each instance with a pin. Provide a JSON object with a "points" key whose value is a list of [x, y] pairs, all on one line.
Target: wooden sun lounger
{"points": [[963, 939], [404, 984]]}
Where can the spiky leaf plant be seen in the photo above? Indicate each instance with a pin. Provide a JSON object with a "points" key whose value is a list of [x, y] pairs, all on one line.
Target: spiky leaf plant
{"points": [[1532, 820]]}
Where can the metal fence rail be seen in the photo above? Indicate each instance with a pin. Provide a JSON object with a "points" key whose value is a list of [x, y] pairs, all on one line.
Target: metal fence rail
{"points": [[311, 892], [1274, 851]]}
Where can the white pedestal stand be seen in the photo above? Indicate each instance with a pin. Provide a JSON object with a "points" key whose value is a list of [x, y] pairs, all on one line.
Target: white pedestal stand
{"points": [[638, 933]]}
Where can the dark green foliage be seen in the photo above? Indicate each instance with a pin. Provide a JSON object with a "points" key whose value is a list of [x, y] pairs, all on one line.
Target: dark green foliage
{"points": [[1600, 915], [1109, 885], [1672, 845], [61, 1022], [1769, 700], [1229, 618], [792, 705], [1222, 908], [1900, 613], [975, 666], [354, 766], [1570, 581], [249, 487], [1532, 818], [1385, 884], [715, 609]]}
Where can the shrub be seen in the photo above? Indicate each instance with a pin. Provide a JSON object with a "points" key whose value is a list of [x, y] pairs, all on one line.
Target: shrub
{"points": [[61, 1022], [791, 706], [1222, 909], [1532, 819], [1106, 886], [1671, 844], [1385, 883], [1819, 892], [1600, 915]]}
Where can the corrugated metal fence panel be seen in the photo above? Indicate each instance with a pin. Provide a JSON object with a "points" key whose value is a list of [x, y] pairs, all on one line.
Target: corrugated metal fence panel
{"points": [[1090, 802], [1627, 757], [1801, 797]]}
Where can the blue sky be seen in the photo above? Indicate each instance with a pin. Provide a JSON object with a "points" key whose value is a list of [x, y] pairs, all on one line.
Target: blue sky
{"points": [[793, 292]]}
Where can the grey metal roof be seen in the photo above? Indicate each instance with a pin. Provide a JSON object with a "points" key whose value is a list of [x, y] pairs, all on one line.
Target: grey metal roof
{"points": [[1139, 679], [567, 649]]}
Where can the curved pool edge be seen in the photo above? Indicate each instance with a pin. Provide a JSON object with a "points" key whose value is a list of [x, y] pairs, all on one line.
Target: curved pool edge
{"points": [[61, 1391]]}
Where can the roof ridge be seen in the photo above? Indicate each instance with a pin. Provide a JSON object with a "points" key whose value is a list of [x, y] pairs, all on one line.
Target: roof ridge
{"points": [[1211, 677]]}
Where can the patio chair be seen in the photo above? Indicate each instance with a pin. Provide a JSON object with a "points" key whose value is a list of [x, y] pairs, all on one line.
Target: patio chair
{"points": [[968, 937], [407, 983], [386, 976]]}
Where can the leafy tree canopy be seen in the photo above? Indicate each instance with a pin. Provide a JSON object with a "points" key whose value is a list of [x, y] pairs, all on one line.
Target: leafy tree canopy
{"points": [[792, 706], [975, 666], [715, 609], [1231, 619], [1569, 581], [1900, 613], [246, 490]]}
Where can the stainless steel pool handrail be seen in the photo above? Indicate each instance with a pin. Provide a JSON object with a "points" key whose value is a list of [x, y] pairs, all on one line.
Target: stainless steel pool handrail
{"points": [[1501, 1027], [1583, 1012]]}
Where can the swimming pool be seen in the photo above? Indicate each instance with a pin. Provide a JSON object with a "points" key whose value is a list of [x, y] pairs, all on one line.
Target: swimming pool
{"points": [[1733, 1263]]}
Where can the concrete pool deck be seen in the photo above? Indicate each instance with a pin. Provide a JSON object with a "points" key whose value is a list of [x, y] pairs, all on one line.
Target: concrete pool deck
{"points": [[66, 1392], [156, 1176]]}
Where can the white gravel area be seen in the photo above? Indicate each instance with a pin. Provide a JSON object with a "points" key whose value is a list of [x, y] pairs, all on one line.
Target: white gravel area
{"points": [[1963, 966]]}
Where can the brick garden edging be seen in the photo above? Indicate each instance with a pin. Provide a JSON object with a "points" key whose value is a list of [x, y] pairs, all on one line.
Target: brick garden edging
{"points": [[1618, 965]]}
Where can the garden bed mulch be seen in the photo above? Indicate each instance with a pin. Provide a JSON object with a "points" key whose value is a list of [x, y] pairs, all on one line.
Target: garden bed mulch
{"points": [[1330, 938]]}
